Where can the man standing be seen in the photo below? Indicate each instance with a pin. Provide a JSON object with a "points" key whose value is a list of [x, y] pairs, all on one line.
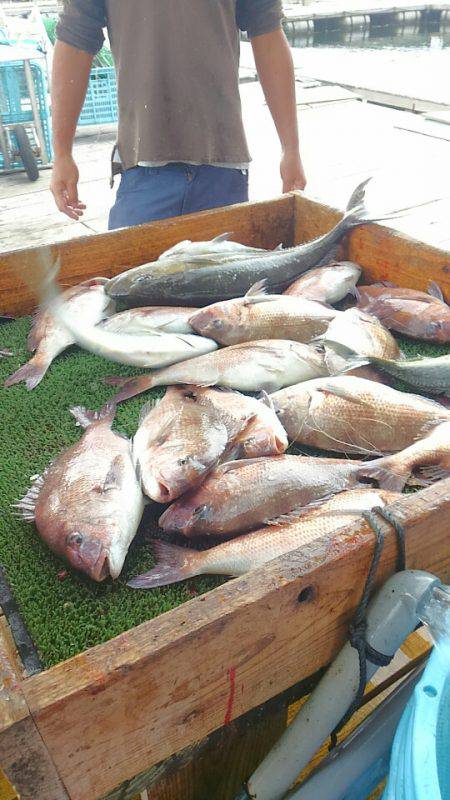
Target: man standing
{"points": [[181, 145]]}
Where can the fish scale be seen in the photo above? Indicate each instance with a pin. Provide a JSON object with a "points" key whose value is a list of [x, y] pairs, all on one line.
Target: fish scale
{"points": [[354, 415], [259, 317]]}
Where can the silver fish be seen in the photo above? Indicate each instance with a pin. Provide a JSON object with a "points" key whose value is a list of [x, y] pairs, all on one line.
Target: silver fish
{"points": [[431, 375], [200, 283], [220, 245], [168, 319], [48, 337]]}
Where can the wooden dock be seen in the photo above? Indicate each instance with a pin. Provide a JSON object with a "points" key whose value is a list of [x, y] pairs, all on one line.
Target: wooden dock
{"points": [[330, 15], [343, 142]]}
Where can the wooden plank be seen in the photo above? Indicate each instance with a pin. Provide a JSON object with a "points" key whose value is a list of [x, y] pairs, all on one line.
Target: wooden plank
{"points": [[384, 254], [222, 764], [267, 223], [157, 688], [23, 756]]}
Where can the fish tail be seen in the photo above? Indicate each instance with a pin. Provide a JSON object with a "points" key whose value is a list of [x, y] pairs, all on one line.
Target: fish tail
{"points": [[31, 373], [391, 475], [173, 564], [130, 387], [357, 213], [85, 418]]}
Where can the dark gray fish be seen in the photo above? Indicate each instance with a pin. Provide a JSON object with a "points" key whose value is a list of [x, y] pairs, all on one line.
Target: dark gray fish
{"points": [[202, 281]]}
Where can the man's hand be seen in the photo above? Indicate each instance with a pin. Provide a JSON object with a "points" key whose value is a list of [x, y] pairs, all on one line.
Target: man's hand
{"points": [[291, 171], [64, 187]]}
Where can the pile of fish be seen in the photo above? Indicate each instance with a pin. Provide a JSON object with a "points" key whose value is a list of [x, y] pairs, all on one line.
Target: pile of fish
{"points": [[215, 457]]}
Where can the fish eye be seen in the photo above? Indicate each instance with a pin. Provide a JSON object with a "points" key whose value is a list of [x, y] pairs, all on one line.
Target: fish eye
{"points": [[183, 461], [217, 323], [74, 538], [200, 511]]}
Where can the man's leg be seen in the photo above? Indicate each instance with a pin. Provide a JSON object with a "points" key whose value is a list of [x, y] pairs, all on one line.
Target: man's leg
{"points": [[212, 187], [148, 193]]}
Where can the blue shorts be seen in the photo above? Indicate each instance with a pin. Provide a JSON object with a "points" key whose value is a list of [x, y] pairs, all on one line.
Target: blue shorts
{"points": [[150, 193]]}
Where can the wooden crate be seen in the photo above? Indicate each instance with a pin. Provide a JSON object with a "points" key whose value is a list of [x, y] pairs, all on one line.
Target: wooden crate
{"points": [[84, 728]]}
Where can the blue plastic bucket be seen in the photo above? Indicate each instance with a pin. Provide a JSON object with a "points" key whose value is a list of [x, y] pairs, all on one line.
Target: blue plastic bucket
{"points": [[420, 760]]}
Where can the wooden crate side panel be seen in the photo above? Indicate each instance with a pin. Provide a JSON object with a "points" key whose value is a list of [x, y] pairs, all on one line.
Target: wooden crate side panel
{"points": [[384, 254], [24, 758], [111, 712], [265, 224]]}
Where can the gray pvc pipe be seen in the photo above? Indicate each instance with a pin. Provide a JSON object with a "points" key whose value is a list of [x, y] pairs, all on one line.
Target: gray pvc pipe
{"points": [[391, 617], [369, 744]]}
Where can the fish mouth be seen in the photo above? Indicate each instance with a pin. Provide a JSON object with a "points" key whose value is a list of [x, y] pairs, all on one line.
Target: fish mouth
{"points": [[101, 570], [91, 558], [169, 522], [159, 490]]}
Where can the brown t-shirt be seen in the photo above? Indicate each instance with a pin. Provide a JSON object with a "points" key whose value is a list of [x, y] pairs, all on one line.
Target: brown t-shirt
{"points": [[177, 64]]}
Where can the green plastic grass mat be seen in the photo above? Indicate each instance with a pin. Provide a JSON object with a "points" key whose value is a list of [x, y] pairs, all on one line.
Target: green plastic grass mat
{"points": [[66, 616]]}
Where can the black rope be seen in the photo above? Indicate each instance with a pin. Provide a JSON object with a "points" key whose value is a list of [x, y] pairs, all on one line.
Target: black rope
{"points": [[358, 626]]}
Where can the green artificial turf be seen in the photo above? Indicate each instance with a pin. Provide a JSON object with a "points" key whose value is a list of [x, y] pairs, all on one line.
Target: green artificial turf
{"points": [[67, 613], [66, 616]]}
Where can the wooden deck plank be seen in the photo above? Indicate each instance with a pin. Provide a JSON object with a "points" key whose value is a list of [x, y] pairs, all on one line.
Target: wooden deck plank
{"points": [[168, 682], [267, 222], [23, 756]]}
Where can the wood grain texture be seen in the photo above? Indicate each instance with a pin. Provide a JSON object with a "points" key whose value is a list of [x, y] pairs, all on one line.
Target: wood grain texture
{"points": [[156, 689], [267, 223], [23, 756], [384, 254]]}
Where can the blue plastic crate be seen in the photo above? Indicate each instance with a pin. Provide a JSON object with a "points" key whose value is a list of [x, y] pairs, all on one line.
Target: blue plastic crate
{"points": [[100, 106], [15, 102]]}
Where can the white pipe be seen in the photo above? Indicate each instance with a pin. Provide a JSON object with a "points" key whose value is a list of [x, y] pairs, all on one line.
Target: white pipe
{"points": [[391, 617], [367, 746]]}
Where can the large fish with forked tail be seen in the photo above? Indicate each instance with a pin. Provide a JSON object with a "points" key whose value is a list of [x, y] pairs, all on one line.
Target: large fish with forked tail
{"points": [[198, 282]]}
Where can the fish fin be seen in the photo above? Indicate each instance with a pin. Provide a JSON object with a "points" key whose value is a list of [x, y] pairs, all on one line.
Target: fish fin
{"points": [[429, 426], [258, 288], [173, 564], [31, 373], [339, 348], [266, 400], [387, 478], [435, 291], [130, 387], [27, 505], [432, 474], [231, 466], [149, 406], [85, 418], [296, 513], [358, 196], [36, 333], [278, 247], [222, 237], [338, 391], [113, 478]]}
